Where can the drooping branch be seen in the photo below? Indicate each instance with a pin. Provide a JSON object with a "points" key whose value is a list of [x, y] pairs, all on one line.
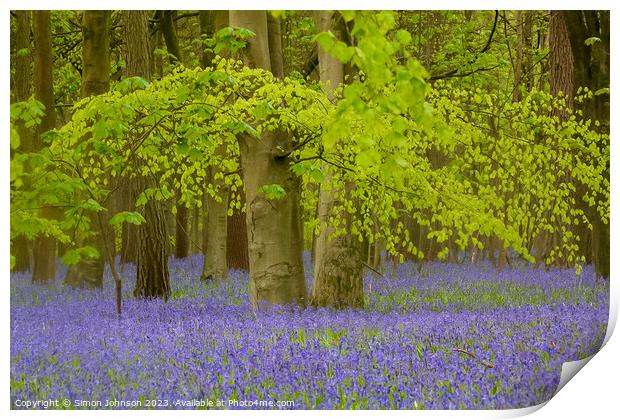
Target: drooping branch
{"points": [[311, 63], [454, 73], [487, 46]]}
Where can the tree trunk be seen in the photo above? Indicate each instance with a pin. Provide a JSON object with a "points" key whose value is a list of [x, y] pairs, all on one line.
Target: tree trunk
{"points": [[526, 69], [215, 236], [137, 59], [562, 82], [591, 69], [195, 246], [156, 41], [237, 238], [44, 265], [211, 21], [518, 64], [168, 27], [95, 52], [215, 241], [152, 268], [338, 261], [22, 81], [152, 256], [181, 244], [129, 232], [561, 78], [95, 81], [274, 228], [169, 30], [275, 44]]}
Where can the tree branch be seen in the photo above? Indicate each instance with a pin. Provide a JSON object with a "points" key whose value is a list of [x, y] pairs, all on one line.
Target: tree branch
{"points": [[453, 73], [472, 355], [487, 46]]}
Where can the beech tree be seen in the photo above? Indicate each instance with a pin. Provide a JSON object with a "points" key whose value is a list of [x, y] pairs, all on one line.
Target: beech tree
{"points": [[338, 262], [22, 88], [95, 81], [588, 32], [44, 252], [275, 234], [215, 231]]}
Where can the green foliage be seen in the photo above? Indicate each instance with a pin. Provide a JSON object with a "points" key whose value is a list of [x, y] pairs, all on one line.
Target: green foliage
{"points": [[127, 217], [24, 52], [461, 159], [311, 170], [228, 40], [74, 256], [273, 191], [28, 113], [33, 185], [466, 164], [130, 84]]}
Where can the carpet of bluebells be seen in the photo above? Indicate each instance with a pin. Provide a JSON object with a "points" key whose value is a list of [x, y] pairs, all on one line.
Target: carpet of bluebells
{"points": [[436, 336]]}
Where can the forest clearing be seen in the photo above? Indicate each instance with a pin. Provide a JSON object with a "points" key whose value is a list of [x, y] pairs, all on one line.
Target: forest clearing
{"points": [[306, 209]]}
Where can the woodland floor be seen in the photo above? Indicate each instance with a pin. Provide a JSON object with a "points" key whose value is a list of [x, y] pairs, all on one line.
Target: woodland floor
{"points": [[439, 336]]}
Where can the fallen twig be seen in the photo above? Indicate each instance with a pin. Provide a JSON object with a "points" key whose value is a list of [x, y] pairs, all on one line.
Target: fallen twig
{"points": [[368, 266], [484, 363]]}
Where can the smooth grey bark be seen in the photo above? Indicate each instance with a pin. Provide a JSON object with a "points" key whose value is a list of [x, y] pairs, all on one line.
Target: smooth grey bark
{"points": [[274, 228], [215, 236], [275, 44], [338, 259]]}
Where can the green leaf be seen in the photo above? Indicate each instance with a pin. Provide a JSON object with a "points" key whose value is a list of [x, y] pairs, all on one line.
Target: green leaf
{"points": [[195, 155], [367, 158], [127, 217], [100, 130], [348, 15], [24, 52], [71, 257], [92, 205], [273, 191], [313, 171], [15, 142], [74, 256], [142, 199], [132, 83], [182, 94], [326, 40], [401, 161], [342, 52], [592, 40], [403, 36]]}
